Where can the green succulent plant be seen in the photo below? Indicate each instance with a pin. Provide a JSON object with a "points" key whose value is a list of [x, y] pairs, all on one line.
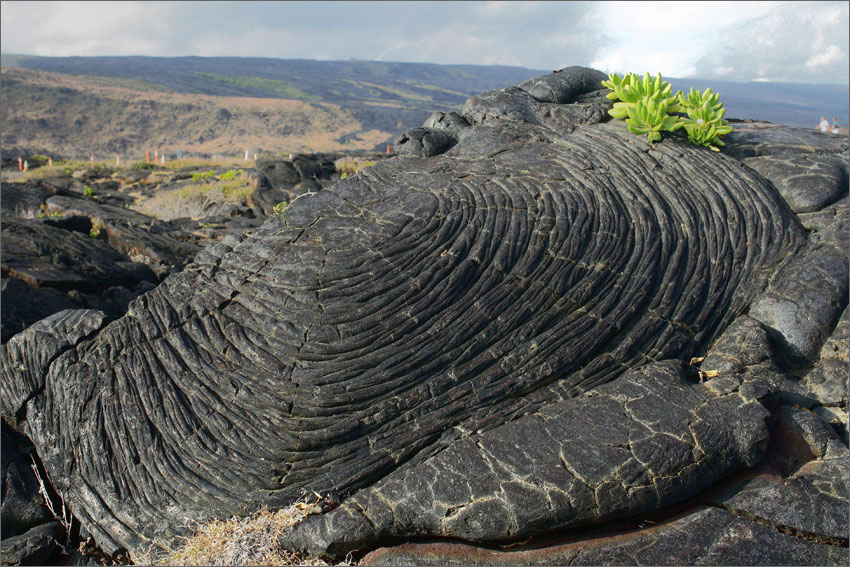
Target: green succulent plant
{"points": [[650, 117], [705, 125], [648, 107], [631, 89], [696, 99]]}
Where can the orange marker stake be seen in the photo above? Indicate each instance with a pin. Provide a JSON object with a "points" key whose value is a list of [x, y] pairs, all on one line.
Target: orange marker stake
{"points": [[91, 159], [388, 149], [148, 156], [20, 164], [50, 162], [117, 159]]}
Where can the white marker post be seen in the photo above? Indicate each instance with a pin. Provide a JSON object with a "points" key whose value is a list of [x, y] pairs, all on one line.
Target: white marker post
{"points": [[117, 159]]}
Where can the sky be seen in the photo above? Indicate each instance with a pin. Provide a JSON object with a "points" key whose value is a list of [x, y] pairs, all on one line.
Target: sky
{"points": [[801, 42]]}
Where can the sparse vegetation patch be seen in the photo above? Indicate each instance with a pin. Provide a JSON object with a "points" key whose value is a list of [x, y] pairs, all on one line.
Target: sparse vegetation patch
{"points": [[230, 174], [203, 175], [349, 166], [201, 200], [241, 541], [144, 165], [276, 87]]}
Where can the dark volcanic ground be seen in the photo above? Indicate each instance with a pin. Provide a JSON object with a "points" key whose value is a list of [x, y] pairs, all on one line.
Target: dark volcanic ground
{"points": [[531, 337]]}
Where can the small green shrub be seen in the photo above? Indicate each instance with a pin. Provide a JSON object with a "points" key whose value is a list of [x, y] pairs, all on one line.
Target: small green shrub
{"points": [[202, 175], [230, 174], [37, 160], [144, 165], [280, 208], [704, 124], [100, 169], [44, 213], [88, 191]]}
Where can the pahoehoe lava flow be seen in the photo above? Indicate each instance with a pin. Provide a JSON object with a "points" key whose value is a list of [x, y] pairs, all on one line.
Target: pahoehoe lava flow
{"points": [[379, 327]]}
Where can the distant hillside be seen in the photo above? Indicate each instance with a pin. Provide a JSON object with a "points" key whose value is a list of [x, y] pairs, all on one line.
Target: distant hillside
{"points": [[378, 100], [75, 115], [74, 106]]}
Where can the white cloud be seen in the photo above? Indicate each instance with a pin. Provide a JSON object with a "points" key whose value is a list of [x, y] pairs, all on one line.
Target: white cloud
{"points": [[499, 8], [723, 71], [86, 28], [457, 41], [791, 41], [531, 34], [804, 42], [667, 36], [832, 54], [786, 41], [249, 43]]}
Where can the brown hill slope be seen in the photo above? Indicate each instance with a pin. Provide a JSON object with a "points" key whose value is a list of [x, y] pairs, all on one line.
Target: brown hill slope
{"points": [[74, 116]]}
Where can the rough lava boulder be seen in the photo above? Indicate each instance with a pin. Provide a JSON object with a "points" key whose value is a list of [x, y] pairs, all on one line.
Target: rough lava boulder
{"points": [[491, 338]]}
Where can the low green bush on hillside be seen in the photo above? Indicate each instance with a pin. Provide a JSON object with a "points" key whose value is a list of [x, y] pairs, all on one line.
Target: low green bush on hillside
{"points": [[144, 165], [230, 174], [203, 175], [271, 86]]}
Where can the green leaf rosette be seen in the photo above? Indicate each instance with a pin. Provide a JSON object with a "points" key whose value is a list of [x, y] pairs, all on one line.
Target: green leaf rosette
{"points": [[705, 125], [650, 117]]}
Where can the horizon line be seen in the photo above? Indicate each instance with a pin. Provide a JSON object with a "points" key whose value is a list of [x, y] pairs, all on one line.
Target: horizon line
{"points": [[356, 59]]}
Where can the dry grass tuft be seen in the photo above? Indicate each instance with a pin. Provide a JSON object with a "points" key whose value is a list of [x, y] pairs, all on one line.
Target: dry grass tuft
{"points": [[199, 200], [60, 168], [351, 165], [34, 212], [27, 213], [241, 541]]}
